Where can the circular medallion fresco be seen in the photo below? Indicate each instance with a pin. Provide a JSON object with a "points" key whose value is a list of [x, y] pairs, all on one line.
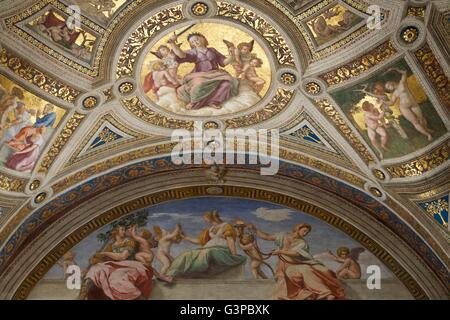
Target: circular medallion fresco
{"points": [[206, 69]]}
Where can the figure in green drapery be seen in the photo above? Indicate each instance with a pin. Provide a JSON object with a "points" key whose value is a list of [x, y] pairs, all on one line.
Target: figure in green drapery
{"points": [[217, 254]]}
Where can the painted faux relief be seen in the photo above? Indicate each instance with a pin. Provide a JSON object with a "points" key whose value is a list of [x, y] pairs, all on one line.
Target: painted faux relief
{"points": [[332, 23], [392, 111], [101, 10], [27, 124], [194, 246], [61, 31]]}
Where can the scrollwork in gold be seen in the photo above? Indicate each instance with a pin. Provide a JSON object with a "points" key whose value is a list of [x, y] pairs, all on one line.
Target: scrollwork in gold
{"points": [[108, 94], [136, 107], [330, 112], [276, 105], [31, 74], [62, 139], [322, 167], [421, 165], [278, 44], [434, 72], [8, 183], [418, 12], [142, 35], [110, 119], [359, 65]]}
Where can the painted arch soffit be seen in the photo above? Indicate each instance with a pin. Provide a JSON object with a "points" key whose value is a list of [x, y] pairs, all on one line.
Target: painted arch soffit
{"points": [[52, 209]]}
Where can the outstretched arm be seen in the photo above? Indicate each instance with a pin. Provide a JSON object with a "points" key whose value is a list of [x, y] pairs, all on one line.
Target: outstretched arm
{"points": [[332, 256], [263, 235], [176, 49], [284, 252], [28, 149], [192, 240], [246, 246], [135, 236], [404, 74], [174, 233], [237, 55]]}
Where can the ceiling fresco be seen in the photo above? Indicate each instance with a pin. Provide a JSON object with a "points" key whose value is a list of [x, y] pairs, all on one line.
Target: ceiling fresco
{"points": [[92, 94]]}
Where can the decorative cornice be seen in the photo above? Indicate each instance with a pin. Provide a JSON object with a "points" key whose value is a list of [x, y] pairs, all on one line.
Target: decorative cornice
{"points": [[140, 110], [111, 163], [152, 151]]}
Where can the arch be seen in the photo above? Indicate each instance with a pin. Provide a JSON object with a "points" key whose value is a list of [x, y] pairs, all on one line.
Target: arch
{"points": [[108, 197]]}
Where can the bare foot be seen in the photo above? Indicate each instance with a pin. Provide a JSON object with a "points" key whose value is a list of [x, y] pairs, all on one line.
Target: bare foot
{"points": [[189, 106], [215, 106], [168, 279]]}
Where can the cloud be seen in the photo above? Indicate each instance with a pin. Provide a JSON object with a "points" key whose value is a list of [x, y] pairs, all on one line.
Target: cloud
{"points": [[176, 216], [273, 214]]}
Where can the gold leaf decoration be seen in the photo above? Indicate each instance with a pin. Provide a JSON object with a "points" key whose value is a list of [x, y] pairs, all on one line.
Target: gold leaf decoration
{"points": [[419, 166], [330, 112], [435, 73], [359, 65], [260, 25], [142, 35], [136, 107], [275, 106], [31, 74], [62, 139]]}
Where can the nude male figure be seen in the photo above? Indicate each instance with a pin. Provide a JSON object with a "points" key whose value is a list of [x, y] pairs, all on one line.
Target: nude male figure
{"points": [[409, 108], [248, 245], [349, 268], [372, 119], [165, 241]]}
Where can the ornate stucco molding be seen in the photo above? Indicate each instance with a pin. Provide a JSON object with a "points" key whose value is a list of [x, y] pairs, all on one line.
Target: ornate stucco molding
{"points": [[420, 165], [38, 78], [68, 130], [360, 65]]}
